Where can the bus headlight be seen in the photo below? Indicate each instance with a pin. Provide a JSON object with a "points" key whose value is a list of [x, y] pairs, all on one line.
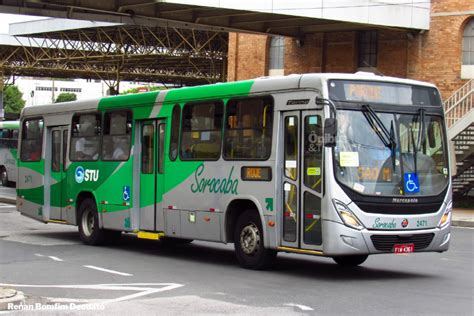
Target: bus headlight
{"points": [[446, 219], [346, 215]]}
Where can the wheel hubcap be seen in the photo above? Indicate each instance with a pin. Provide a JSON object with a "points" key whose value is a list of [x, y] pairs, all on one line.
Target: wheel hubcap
{"points": [[88, 222], [250, 239]]}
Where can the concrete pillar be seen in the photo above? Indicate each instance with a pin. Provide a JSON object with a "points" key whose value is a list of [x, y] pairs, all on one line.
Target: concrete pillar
{"points": [[2, 85]]}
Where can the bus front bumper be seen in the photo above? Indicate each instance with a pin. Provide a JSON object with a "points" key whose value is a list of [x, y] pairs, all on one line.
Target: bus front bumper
{"points": [[342, 240]]}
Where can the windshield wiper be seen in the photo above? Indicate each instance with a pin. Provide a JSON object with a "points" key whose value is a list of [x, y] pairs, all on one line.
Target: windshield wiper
{"points": [[421, 130], [420, 138], [387, 137]]}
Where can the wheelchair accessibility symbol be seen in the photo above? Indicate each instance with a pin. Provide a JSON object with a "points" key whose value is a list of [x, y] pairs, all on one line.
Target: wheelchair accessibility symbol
{"points": [[411, 183], [126, 193]]}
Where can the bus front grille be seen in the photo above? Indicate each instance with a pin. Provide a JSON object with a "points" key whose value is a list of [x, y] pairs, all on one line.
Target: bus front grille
{"points": [[386, 242]]}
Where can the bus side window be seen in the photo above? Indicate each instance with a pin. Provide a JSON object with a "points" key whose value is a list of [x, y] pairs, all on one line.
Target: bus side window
{"points": [[56, 152], [32, 140], [3, 138], [85, 137], [201, 131], [174, 137], [313, 152], [148, 148], [117, 135], [248, 132], [14, 141]]}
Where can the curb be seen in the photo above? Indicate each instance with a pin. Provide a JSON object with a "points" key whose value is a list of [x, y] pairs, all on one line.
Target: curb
{"points": [[10, 296], [461, 223], [7, 200]]}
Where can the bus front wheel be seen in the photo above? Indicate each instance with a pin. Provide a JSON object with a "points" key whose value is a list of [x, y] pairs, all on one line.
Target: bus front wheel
{"points": [[89, 230], [350, 261], [248, 243]]}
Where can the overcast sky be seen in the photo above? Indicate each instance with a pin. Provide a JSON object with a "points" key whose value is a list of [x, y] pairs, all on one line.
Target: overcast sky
{"points": [[6, 19]]}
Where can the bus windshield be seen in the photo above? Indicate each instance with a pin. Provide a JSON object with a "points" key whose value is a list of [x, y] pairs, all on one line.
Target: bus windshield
{"points": [[411, 160]]}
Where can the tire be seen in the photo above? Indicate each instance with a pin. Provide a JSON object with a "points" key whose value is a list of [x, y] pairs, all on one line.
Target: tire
{"points": [[171, 241], [350, 261], [4, 177], [249, 243], [89, 230]]}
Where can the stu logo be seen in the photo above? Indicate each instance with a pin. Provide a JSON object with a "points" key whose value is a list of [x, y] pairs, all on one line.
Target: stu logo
{"points": [[88, 175]]}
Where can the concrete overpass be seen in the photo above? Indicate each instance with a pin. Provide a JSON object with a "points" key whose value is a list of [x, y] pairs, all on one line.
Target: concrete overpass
{"points": [[289, 18]]}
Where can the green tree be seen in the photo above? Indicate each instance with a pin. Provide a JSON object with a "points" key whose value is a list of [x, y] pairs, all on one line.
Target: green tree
{"points": [[13, 99], [66, 97]]}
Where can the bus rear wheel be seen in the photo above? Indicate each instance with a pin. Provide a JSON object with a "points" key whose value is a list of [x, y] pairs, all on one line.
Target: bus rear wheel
{"points": [[89, 230], [249, 245], [350, 261]]}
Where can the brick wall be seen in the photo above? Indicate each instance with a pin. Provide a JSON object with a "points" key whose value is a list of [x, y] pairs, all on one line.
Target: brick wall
{"points": [[436, 55], [329, 52], [340, 52], [305, 56], [247, 56], [392, 53], [438, 6]]}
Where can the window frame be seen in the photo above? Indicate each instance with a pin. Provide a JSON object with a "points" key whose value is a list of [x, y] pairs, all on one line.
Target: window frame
{"points": [[367, 40], [276, 48], [193, 103], [270, 97], [99, 151], [129, 112], [39, 118], [468, 28]]}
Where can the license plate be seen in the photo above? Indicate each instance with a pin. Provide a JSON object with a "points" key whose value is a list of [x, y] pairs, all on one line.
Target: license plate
{"points": [[403, 248]]}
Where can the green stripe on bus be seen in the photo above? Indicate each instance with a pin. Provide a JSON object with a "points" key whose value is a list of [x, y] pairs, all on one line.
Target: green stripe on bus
{"points": [[176, 172], [140, 103]]}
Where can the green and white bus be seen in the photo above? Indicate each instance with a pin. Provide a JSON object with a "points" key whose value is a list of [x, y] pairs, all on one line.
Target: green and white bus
{"points": [[335, 165], [8, 151]]}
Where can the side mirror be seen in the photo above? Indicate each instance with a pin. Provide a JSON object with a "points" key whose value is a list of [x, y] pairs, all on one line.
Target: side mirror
{"points": [[431, 136], [330, 132]]}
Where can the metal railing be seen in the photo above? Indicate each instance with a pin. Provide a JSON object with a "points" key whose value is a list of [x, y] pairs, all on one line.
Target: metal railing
{"points": [[459, 103]]}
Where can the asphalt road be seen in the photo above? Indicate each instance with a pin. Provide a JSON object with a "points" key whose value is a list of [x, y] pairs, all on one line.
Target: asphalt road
{"points": [[50, 265]]}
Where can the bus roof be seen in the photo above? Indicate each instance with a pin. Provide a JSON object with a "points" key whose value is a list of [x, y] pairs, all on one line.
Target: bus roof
{"points": [[218, 90]]}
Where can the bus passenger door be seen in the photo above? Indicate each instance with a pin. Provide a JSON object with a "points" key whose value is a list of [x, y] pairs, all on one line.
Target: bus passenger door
{"points": [[152, 137], [311, 161], [302, 179], [290, 179], [58, 172]]}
